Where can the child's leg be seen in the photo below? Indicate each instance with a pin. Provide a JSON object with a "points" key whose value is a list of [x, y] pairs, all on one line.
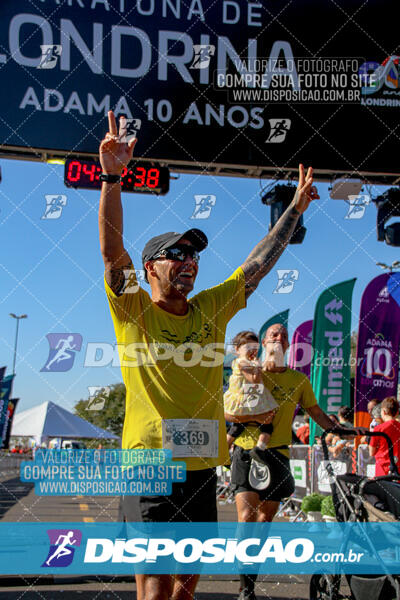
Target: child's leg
{"points": [[263, 440], [258, 452], [233, 432], [265, 434]]}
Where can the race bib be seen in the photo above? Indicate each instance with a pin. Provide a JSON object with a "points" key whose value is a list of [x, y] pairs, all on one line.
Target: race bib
{"points": [[191, 437]]}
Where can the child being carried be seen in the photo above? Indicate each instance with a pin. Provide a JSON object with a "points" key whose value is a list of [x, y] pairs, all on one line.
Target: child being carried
{"points": [[247, 395]]}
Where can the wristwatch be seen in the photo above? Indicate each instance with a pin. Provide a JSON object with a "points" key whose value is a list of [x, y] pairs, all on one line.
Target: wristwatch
{"points": [[110, 178]]}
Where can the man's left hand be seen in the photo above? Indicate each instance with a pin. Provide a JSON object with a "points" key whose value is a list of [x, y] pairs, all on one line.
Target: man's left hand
{"points": [[306, 192]]}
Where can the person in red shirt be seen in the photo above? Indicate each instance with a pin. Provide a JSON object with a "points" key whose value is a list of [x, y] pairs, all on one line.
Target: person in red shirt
{"points": [[378, 446], [303, 432]]}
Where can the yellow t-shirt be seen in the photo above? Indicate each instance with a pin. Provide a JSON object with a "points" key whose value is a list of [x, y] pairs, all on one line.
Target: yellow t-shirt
{"points": [[288, 388], [172, 365]]}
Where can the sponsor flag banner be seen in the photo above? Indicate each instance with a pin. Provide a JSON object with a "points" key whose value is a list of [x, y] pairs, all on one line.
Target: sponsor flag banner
{"points": [[282, 318], [378, 344], [5, 433], [229, 548], [331, 335], [5, 393], [300, 353]]}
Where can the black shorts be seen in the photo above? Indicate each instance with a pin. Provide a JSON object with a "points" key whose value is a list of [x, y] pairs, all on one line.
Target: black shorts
{"points": [[194, 500], [282, 482]]}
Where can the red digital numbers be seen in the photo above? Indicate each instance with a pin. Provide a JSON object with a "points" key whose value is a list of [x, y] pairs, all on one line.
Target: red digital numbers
{"points": [[140, 176], [153, 177], [75, 164]]}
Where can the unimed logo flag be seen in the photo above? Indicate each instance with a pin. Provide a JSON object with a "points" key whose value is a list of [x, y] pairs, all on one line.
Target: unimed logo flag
{"points": [[331, 335], [378, 344]]}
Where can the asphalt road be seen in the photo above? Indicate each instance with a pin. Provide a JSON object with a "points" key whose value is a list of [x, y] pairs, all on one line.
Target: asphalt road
{"points": [[19, 503]]}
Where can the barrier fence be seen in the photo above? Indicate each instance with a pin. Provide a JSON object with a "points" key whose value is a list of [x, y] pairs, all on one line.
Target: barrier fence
{"points": [[309, 467]]}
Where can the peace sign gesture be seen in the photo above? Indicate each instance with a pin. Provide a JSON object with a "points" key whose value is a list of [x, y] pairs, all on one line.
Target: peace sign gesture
{"points": [[114, 154], [306, 191]]}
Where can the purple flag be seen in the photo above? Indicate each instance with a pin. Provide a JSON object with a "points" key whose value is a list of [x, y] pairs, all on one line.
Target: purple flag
{"points": [[300, 352], [378, 344]]}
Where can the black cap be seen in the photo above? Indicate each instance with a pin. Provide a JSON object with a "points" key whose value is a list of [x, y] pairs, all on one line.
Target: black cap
{"points": [[167, 240]]}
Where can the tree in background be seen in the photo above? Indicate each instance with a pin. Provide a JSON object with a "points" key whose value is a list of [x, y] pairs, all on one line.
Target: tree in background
{"points": [[112, 412]]}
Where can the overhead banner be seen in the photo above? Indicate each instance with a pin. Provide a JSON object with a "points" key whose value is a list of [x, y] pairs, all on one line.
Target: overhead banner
{"points": [[300, 353], [5, 393], [282, 318], [331, 336], [6, 429], [378, 344], [257, 78]]}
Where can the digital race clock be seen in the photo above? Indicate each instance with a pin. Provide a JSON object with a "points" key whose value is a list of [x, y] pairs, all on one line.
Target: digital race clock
{"points": [[141, 177]]}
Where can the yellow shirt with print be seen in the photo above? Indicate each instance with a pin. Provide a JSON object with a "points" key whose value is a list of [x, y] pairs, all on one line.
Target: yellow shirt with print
{"points": [[172, 366], [288, 388]]}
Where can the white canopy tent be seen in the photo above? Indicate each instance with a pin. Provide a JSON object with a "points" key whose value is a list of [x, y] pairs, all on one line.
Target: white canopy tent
{"points": [[49, 420]]}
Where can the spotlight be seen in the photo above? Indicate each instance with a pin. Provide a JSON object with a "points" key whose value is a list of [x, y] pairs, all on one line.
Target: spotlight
{"points": [[279, 199]]}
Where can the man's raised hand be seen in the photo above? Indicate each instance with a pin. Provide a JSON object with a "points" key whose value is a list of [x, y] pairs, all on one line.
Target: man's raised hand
{"points": [[306, 192], [114, 154]]}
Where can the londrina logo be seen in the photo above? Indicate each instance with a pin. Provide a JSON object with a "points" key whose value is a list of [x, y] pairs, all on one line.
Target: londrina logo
{"points": [[376, 77], [61, 551]]}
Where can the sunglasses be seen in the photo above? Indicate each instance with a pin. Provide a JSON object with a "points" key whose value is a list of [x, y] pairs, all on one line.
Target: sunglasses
{"points": [[179, 253]]}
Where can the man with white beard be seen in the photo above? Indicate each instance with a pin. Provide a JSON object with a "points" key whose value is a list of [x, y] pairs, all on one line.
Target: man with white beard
{"points": [[259, 488]]}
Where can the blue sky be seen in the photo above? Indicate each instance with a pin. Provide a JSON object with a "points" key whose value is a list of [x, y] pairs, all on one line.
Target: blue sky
{"points": [[52, 270]]}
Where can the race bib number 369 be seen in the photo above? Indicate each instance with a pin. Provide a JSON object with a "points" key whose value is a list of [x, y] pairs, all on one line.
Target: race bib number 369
{"points": [[191, 437]]}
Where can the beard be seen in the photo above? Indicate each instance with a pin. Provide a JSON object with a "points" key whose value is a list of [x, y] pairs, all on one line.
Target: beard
{"points": [[274, 354]]}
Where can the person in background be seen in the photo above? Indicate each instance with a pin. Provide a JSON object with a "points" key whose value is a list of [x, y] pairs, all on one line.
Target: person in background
{"points": [[376, 416], [378, 446], [345, 415], [303, 432]]}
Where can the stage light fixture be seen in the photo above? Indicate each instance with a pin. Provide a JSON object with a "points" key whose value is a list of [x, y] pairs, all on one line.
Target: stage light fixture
{"points": [[279, 198], [388, 206]]}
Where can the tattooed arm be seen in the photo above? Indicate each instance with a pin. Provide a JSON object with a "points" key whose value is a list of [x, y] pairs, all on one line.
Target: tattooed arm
{"points": [[114, 155], [261, 260]]}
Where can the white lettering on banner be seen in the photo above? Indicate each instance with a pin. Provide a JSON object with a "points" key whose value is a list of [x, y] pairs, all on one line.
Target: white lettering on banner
{"points": [[54, 101], [189, 10], [180, 58], [335, 374], [190, 550]]}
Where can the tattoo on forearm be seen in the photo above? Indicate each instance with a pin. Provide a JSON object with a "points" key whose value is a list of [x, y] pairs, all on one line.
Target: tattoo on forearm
{"points": [[261, 260], [116, 278]]}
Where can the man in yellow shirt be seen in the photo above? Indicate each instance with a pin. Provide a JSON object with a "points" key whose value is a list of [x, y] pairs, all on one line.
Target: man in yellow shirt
{"points": [[259, 489], [171, 350]]}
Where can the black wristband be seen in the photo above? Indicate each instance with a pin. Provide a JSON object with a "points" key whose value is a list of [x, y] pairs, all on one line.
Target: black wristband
{"points": [[110, 178]]}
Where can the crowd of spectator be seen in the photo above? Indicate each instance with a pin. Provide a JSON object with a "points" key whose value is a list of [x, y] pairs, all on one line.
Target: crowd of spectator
{"points": [[384, 418]]}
